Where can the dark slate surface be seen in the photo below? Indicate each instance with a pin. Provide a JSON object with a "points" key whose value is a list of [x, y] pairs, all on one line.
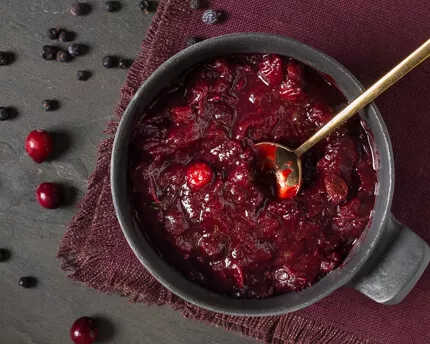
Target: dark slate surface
{"points": [[44, 314]]}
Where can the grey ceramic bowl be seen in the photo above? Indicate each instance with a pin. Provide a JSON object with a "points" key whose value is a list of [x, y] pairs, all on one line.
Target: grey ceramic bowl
{"points": [[386, 262]]}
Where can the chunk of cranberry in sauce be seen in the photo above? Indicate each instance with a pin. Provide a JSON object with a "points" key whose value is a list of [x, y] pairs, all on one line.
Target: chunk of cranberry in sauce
{"points": [[223, 69], [336, 188], [212, 245], [292, 87], [181, 114], [270, 70]]}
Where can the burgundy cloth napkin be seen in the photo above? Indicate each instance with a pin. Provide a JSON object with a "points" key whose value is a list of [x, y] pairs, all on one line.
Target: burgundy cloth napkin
{"points": [[368, 37]]}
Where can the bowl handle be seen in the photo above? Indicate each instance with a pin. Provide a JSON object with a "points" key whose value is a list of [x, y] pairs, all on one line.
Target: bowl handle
{"points": [[398, 269]]}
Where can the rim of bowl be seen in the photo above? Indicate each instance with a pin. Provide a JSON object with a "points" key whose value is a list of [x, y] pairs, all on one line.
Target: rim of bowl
{"points": [[167, 275]]}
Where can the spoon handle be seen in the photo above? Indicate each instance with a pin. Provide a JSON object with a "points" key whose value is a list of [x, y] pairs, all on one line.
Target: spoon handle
{"points": [[409, 63]]}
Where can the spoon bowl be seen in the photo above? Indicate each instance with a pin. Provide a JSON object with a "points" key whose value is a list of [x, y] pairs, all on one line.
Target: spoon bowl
{"points": [[280, 164]]}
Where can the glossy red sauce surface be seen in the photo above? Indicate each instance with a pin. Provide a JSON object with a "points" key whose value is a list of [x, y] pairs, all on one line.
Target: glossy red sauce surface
{"points": [[200, 202]]}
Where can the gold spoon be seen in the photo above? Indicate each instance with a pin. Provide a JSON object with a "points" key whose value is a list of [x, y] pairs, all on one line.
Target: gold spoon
{"points": [[285, 162]]}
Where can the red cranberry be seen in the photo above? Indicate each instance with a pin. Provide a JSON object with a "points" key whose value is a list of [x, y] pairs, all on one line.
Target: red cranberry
{"points": [[84, 331], [49, 195], [198, 175], [38, 145]]}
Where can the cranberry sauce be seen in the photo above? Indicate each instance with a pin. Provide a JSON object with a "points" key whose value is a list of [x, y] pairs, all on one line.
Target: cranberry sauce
{"points": [[204, 209]]}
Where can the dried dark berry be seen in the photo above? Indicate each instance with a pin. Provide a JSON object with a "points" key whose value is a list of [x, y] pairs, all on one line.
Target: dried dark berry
{"points": [[63, 56], [75, 49], [144, 6], [53, 33], [148, 6], [49, 52], [4, 113], [211, 17], [4, 255], [191, 41], [27, 282], [83, 75], [49, 105], [79, 9], [112, 6], [110, 61], [196, 4], [66, 36], [124, 63], [4, 58]]}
